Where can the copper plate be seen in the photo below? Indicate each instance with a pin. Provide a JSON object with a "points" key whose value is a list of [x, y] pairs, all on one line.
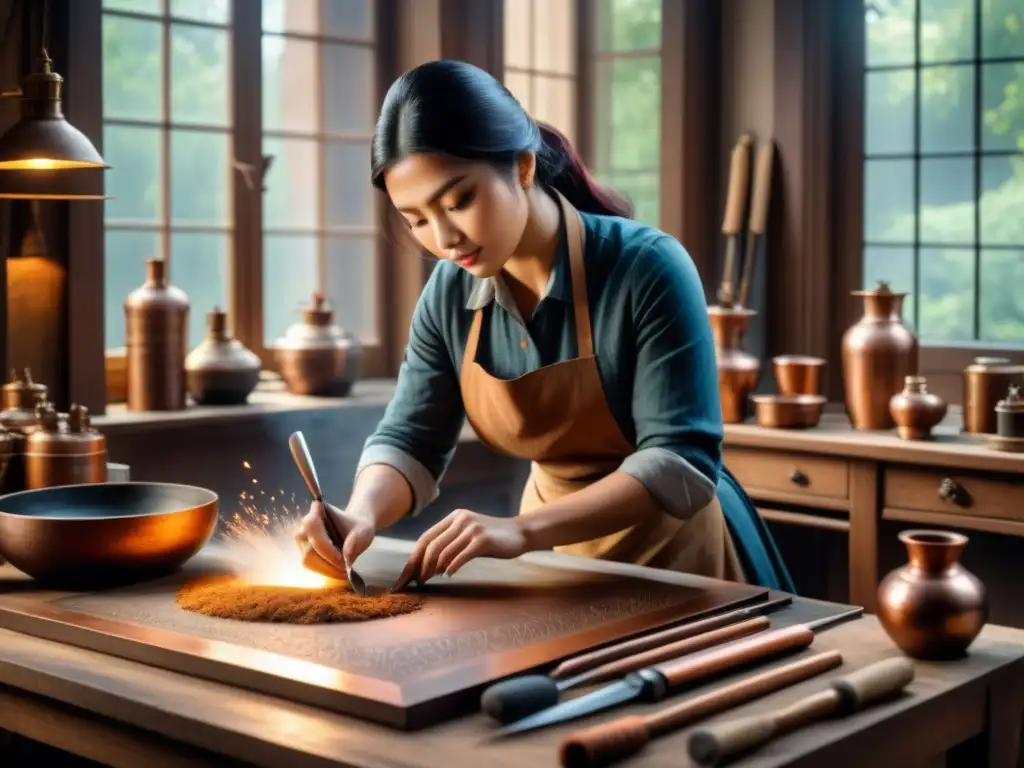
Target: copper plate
{"points": [[492, 620], [1004, 443]]}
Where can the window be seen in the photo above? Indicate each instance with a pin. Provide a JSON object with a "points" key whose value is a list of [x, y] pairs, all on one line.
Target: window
{"points": [[167, 137], [944, 165], [169, 131], [540, 59], [319, 217], [627, 100]]}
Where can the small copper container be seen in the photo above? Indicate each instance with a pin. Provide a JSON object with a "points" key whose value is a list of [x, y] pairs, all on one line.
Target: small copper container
{"points": [[20, 398], [986, 380], [916, 410], [64, 450], [316, 357], [221, 371], [156, 336], [1010, 414], [17, 419], [798, 374], [788, 411]]}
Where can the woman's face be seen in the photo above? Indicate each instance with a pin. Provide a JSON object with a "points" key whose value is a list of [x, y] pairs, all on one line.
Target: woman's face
{"points": [[468, 212]]}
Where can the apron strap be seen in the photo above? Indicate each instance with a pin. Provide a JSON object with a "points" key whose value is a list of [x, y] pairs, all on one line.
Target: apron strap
{"points": [[581, 307]]}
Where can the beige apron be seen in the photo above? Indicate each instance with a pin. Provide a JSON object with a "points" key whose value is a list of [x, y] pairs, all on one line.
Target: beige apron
{"points": [[557, 417]]}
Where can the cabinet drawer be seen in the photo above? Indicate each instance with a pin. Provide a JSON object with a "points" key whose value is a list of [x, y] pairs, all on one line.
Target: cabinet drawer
{"points": [[953, 493], [789, 476]]}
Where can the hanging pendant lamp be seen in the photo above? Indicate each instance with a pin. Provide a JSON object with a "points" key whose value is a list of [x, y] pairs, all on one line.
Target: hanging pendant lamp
{"points": [[43, 156]]}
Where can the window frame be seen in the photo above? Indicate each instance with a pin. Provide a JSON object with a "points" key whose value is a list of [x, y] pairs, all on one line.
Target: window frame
{"points": [[245, 283]]}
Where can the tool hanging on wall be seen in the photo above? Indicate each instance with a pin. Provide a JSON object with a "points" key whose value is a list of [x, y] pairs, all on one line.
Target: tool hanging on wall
{"points": [[623, 737], [732, 223], [756, 225], [882, 680]]}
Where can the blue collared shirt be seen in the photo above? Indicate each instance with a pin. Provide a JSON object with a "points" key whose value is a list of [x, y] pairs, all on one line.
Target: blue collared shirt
{"points": [[655, 354]]}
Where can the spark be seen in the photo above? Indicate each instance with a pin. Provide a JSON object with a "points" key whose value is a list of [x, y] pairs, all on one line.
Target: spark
{"points": [[247, 465]]}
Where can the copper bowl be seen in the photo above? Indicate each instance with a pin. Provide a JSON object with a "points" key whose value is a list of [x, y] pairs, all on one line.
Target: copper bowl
{"points": [[798, 374], [82, 536], [788, 411]]}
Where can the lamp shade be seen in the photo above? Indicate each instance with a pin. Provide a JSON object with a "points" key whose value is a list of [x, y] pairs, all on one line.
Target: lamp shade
{"points": [[44, 142]]}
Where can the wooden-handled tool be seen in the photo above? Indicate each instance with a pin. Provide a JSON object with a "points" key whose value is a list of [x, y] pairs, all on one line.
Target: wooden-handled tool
{"points": [[310, 557], [655, 682], [758, 221], [512, 700], [581, 663], [616, 740], [735, 206], [883, 679]]}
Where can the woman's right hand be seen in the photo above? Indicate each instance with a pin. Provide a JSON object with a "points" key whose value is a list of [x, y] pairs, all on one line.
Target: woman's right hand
{"points": [[356, 534]]}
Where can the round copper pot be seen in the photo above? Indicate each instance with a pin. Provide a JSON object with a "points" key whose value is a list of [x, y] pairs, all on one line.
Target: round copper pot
{"points": [[916, 410], [738, 370], [932, 608], [80, 536], [788, 411], [798, 374]]}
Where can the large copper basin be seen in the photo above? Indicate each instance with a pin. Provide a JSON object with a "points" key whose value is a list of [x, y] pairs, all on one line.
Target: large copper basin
{"points": [[101, 533]]}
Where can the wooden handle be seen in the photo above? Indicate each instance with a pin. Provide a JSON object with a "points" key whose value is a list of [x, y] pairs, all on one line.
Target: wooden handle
{"points": [[609, 742], [739, 183], [585, 661], [762, 188], [716, 743], [749, 649], [312, 561], [873, 683], [674, 650], [604, 744]]}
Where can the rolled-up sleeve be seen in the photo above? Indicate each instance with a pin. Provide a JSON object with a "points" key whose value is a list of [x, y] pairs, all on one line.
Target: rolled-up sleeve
{"points": [[676, 407], [420, 429]]}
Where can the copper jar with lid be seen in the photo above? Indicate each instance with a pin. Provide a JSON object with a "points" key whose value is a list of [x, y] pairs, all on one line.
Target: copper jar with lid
{"points": [[316, 357], [21, 397], [156, 337], [221, 371], [64, 449], [1010, 414], [986, 381]]}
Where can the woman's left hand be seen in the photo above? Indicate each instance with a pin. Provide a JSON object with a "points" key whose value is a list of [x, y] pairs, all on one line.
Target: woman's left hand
{"points": [[460, 537]]}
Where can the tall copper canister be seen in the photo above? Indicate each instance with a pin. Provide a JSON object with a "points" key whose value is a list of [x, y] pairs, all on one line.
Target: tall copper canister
{"points": [[64, 450], [156, 335], [986, 382], [18, 418]]}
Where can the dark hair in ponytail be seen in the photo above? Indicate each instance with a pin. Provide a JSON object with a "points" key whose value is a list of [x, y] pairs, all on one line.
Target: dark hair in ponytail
{"points": [[453, 108]]}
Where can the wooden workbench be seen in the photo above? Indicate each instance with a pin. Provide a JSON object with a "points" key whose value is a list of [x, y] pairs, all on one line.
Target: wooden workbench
{"points": [[835, 478], [123, 713]]}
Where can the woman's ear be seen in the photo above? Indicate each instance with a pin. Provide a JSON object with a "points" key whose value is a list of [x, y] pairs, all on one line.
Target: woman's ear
{"points": [[526, 169]]}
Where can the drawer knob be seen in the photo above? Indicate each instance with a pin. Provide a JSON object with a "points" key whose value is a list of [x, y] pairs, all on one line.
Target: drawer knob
{"points": [[951, 492], [799, 478]]}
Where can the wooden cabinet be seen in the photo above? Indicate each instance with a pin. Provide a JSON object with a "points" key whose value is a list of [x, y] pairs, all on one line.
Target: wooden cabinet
{"points": [[788, 477], [837, 479], [978, 501]]}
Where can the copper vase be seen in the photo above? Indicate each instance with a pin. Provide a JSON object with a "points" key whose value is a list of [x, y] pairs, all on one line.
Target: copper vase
{"points": [[916, 410], [932, 608], [156, 335], [738, 370], [879, 352], [221, 371]]}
